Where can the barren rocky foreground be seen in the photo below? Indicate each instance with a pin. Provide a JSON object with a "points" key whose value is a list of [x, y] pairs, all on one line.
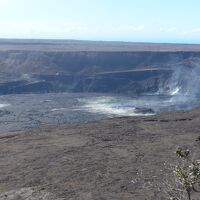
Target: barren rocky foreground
{"points": [[115, 159]]}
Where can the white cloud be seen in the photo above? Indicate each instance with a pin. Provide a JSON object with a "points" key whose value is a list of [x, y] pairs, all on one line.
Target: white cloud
{"points": [[41, 28], [62, 29], [191, 32], [131, 28], [76, 30]]}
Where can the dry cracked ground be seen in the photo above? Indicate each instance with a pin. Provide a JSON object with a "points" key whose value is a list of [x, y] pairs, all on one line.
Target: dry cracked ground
{"points": [[115, 159]]}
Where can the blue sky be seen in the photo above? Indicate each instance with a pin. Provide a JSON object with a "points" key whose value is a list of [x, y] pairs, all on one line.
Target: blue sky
{"points": [[123, 20]]}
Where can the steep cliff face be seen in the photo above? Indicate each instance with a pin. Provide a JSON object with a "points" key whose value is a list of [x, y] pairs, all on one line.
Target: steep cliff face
{"points": [[89, 71], [25, 62]]}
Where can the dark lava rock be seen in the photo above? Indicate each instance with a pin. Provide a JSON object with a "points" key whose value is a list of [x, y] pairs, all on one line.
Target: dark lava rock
{"points": [[4, 112], [145, 110]]}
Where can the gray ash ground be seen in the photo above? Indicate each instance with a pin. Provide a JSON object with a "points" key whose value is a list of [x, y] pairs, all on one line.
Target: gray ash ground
{"points": [[33, 110], [18, 112], [114, 159]]}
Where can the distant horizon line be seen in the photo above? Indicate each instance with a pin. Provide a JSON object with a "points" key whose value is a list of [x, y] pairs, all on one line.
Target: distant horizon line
{"points": [[98, 41]]}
